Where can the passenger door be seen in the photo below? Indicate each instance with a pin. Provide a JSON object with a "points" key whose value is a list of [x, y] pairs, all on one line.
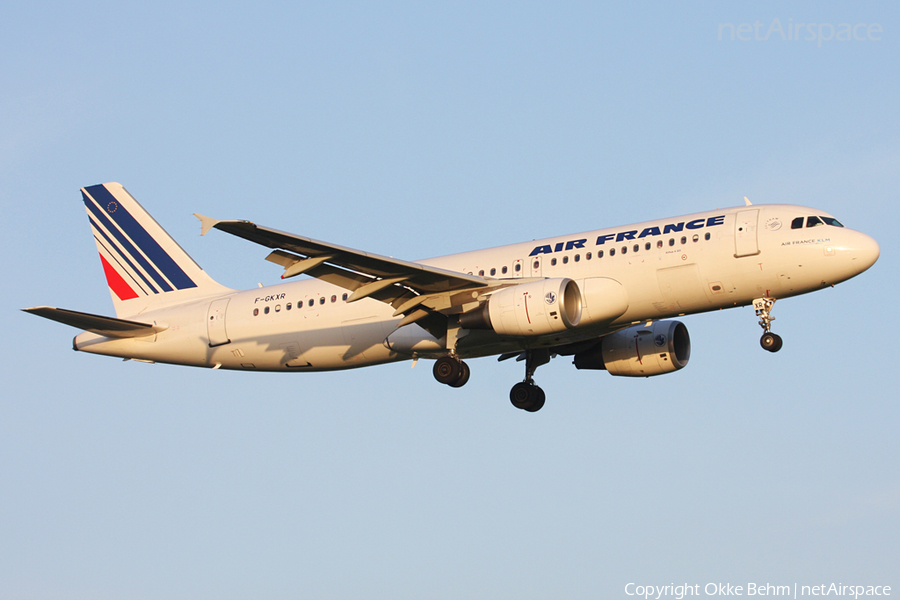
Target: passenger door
{"points": [[745, 229]]}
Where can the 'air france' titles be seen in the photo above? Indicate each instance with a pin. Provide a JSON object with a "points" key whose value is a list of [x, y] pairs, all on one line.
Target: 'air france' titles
{"points": [[631, 235]]}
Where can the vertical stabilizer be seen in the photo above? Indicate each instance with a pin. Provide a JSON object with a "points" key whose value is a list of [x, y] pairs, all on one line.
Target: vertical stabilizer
{"points": [[143, 265]]}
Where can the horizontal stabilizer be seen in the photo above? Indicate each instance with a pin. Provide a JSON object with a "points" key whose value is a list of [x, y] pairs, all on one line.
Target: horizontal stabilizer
{"points": [[105, 326]]}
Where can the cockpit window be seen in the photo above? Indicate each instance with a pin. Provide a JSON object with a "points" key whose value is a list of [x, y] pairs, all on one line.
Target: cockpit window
{"points": [[813, 221]]}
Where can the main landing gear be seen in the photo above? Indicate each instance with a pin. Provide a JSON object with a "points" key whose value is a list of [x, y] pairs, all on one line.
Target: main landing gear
{"points": [[769, 341], [451, 371], [526, 394]]}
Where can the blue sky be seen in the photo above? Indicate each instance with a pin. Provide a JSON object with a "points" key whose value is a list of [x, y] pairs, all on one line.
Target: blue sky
{"points": [[414, 130]]}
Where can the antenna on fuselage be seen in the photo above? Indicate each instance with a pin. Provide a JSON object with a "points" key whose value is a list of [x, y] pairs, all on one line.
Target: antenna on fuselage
{"points": [[747, 201]]}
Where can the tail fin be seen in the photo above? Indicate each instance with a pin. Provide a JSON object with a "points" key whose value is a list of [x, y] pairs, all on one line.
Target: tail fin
{"points": [[144, 266]]}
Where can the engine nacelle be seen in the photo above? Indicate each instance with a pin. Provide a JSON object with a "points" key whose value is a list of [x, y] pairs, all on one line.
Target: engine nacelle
{"points": [[535, 308], [640, 351], [603, 300]]}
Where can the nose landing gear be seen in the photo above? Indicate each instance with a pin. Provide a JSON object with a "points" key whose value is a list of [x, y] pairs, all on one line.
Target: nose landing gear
{"points": [[769, 341]]}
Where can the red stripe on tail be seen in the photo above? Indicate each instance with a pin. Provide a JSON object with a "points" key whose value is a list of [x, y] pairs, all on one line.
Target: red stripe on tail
{"points": [[118, 285]]}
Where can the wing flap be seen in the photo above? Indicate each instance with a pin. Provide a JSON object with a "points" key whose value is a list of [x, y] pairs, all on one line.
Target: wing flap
{"points": [[105, 326]]}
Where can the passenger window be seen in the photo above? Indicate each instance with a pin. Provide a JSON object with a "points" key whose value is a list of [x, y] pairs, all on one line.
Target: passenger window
{"points": [[587, 256], [696, 238], [255, 312], [518, 267], [344, 297], [312, 302], [266, 310], [277, 308], [683, 240], [624, 249], [288, 307], [334, 298], [612, 251], [707, 236], [505, 270], [813, 221], [565, 260], [493, 272], [671, 241], [481, 273], [659, 244], [537, 264], [552, 262], [647, 246], [797, 223], [600, 254], [577, 257], [636, 247], [322, 300]]}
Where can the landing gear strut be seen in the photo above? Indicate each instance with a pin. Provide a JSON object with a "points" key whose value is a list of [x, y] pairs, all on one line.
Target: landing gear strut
{"points": [[451, 371], [769, 341], [525, 394]]}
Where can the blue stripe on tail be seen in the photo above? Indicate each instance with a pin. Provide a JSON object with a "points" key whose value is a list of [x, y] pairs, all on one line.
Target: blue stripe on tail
{"points": [[120, 256], [161, 261]]}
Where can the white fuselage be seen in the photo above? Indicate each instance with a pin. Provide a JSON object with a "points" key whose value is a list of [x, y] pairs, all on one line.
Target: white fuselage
{"points": [[696, 263]]}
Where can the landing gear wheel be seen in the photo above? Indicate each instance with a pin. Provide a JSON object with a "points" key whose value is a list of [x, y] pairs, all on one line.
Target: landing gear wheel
{"points": [[463, 378], [527, 396], [447, 369], [520, 394], [538, 402], [771, 341]]}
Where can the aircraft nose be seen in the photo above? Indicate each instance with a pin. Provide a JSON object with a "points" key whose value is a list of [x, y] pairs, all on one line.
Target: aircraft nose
{"points": [[864, 253]]}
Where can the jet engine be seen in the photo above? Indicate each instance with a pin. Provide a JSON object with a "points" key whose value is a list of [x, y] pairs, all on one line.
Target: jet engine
{"points": [[640, 351], [535, 308]]}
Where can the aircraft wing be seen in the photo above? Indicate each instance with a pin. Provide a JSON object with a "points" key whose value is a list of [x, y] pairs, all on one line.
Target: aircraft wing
{"points": [[423, 294], [365, 274], [106, 326]]}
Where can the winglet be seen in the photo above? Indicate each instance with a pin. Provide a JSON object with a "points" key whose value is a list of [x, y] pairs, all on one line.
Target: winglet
{"points": [[747, 201], [206, 223]]}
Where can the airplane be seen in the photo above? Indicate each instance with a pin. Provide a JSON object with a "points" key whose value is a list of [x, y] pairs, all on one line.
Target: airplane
{"points": [[604, 297]]}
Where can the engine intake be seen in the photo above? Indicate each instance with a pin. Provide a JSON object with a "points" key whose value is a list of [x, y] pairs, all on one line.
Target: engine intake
{"points": [[640, 351]]}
